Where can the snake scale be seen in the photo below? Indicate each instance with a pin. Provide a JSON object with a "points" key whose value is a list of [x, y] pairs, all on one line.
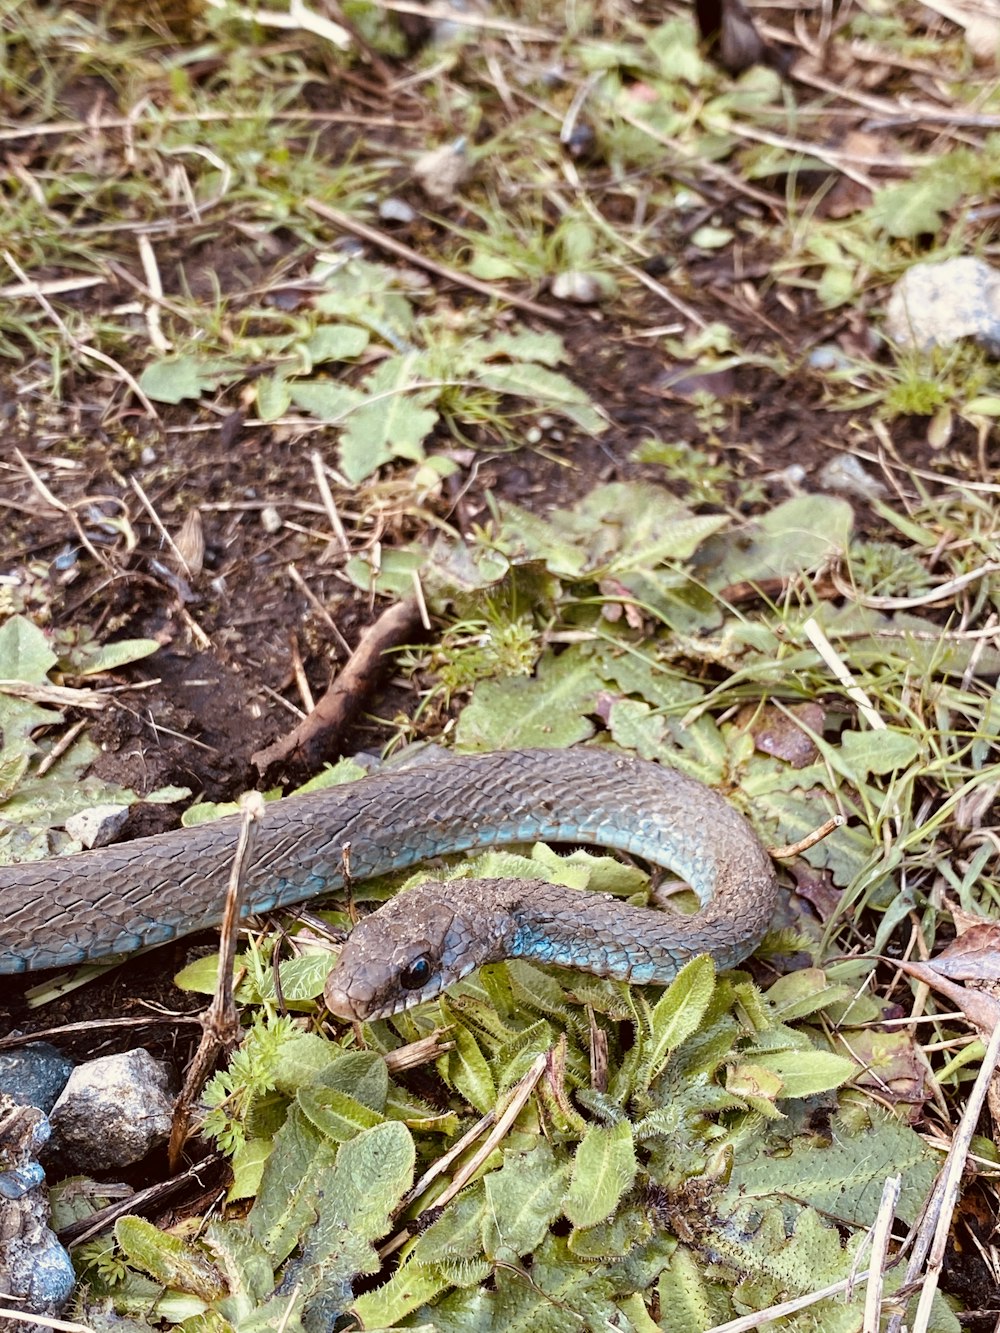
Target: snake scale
{"points": [[120, 898]]}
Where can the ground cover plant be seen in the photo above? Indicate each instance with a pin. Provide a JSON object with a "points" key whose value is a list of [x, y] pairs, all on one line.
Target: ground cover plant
{"points": [[551, 323]]}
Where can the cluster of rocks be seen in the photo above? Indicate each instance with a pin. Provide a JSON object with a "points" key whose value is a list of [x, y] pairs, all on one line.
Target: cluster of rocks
{"points": [[91, 1118]]}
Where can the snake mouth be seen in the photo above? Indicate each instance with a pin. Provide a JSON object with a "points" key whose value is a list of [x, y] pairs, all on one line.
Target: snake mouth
{"points": [[351, 1009]]}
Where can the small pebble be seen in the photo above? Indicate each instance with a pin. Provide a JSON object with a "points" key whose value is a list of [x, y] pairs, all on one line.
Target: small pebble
{"points": [[441, 171], [148, 455], [578, 287], [396, 210], [938, 304], [97, 826], [828, 356], [846, 474], [34, 1075], [271, 521], [112, 1111]]}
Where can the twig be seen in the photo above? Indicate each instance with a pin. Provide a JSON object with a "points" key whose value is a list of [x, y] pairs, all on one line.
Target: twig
{"points": [[81, 348], [518, 1096], [326, 495], [881, 1234], [385, 242], [91, 1025], [840, 669], [952, 1180], [80, 1231], [317, 736], [318, 607], [221, 1022], [942, 593], [41, 1320], [791, 849], [749, 1322]]}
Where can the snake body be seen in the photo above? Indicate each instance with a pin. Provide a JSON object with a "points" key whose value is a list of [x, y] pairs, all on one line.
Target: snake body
{"points": [[120, 898]]}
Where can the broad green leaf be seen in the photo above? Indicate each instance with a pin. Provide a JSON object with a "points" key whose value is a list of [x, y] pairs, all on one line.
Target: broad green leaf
{"points": [[603, 1169], [689, 1302], [843, 1173], [409, 1287], [525, 345], [247, 1164], [119, 653], [362, 1074], [805, 1073], [677, 1014], [336, 1114], [175, 378], [393, 422], [916, 206], [797, 535], [373, 1172], [523, 1199], [246, 1267], [456, 1236], [327, 400], [25, 652], [295, 1174], [868, 752], [169, 1259], [273, 395], [547, 710], [554, 392], [337, 342], [466, 1068]]}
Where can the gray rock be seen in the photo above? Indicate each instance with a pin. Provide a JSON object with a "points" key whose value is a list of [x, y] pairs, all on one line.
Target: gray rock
{"points": [[35, 1272], [34, 1075], [936, 305], [112, 1111], [98, 825], [846, 474]]}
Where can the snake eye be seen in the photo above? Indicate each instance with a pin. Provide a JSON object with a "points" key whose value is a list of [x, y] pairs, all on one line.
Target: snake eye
{"points": [[415, 975]]}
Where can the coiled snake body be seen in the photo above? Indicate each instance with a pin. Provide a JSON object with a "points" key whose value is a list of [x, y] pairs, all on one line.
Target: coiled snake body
{"points": [[120, 898]]}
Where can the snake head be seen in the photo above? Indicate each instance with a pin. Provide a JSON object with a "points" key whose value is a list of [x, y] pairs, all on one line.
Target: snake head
{"points": [[414, 947]]}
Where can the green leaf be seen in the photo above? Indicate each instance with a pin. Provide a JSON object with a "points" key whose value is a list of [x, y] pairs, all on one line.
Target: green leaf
{"points": [[805, 1073], [175, 378], [525, 345], [337, 342], [373, 1172], [336, 1114], [294, 1176], [466, 1069], [794, 536], [844, 1173], [393, 423], [603, 1169], [25, 652], [327, 400], [169, 1259], [549, 389], [867, 752], [523, 1199], [677, 1014], [546, 710], [455, 1237], [689, 1302], [110, 656], [247, 1165], [916, 206], [273, 396], [410, 1286]]}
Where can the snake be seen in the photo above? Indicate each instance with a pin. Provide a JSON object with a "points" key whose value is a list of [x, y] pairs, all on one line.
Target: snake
{"points": [[117, 899]]}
